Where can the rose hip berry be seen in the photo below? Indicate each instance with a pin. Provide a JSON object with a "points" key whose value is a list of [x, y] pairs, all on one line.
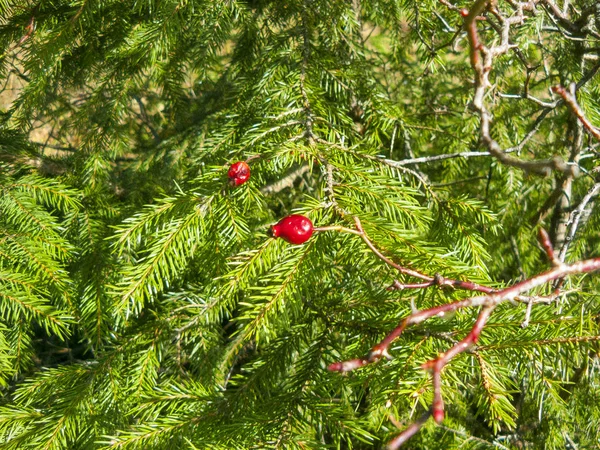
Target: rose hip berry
{"points": [[238, 173], [295, 229]]}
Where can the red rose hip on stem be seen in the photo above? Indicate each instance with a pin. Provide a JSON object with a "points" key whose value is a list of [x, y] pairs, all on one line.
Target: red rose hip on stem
{"points": [[295, 229], [238, 173]]}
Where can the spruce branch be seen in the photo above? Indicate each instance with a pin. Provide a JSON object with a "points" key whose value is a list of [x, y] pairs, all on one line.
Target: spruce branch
{"points": [[308, 122], [138, 111]]}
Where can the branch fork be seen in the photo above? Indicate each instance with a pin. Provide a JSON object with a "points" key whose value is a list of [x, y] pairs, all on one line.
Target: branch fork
{"points": [[486, 303], [481, 58]]}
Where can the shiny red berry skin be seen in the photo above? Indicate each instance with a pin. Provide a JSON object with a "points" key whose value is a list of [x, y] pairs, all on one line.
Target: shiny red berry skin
{"points": [[238, 173], [295, 229]]}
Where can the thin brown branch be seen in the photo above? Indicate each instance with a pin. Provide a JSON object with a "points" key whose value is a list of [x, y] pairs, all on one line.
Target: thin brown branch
{"points": [[500, 296], [439, 280], [30, 28], [408, 432], [562, 208], [339, 229], [544, 239], [385, 259], [438, 364], [571, 29], [571, 102], [436, 280], [547, 207], [527, 318], [427, 159], [534, 129], [449, 5]]}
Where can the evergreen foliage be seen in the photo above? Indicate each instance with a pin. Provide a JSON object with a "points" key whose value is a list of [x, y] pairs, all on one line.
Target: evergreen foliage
{"points": [[143, 304]]}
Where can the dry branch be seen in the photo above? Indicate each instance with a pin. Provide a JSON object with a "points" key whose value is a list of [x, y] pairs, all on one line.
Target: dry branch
{"points": [[487, 303]]}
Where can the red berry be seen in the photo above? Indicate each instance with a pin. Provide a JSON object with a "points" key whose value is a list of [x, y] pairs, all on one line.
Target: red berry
{"points": [[295, 229], [238, 173]]}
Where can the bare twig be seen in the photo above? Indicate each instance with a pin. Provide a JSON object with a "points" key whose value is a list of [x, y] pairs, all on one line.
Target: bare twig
{"points": [[385, 259], [576, 30], [534, 129], [30, 28], [571, 102], [428, 159], [576, 216], [438, 364], [408, 432], [500, 296], [544, 239], [436, 280], [561, 215], [525, 322]]}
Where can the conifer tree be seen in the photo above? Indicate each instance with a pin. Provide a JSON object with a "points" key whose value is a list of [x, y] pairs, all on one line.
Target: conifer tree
{"points": [[299, 224]]}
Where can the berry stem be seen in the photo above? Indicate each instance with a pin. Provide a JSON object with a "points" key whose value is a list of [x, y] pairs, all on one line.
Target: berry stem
{"points": [[338, 228], [252, 158]]}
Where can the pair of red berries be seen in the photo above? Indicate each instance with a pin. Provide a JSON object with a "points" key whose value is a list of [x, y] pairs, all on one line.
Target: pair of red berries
{"points": [[295, 229]]}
